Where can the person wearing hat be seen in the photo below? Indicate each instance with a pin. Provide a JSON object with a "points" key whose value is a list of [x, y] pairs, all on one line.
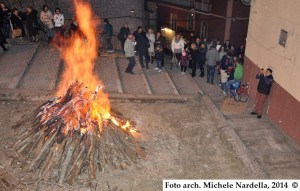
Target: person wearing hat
{"points": [[263, 90]]}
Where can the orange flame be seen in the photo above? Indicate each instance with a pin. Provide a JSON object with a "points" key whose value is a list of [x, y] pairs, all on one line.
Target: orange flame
{"points": [[80, 53]]}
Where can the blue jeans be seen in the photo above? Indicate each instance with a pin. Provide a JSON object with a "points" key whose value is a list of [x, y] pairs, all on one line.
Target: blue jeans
{"points": [[229, 83], [210, 73], [50, 33], [158, 64], [109, 44], [223, 87]]}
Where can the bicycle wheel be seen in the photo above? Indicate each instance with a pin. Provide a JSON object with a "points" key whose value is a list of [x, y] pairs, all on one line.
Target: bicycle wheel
{"points": [[237, 97], [244, 97]]}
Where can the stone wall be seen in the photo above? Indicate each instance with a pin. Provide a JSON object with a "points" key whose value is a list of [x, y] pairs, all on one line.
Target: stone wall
{"points": [[118, 12]]}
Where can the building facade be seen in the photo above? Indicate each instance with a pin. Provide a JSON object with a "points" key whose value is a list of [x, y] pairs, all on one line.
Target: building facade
{"points": [[273, 41], [212, 19], [118, 12]]}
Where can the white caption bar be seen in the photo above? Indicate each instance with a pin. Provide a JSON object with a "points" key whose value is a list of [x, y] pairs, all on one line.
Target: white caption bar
{"points": [[231, 185]]}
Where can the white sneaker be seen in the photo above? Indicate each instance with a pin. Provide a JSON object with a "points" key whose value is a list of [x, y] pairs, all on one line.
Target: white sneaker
{"points": [[182, 73], [159, 70], [156, 68]]}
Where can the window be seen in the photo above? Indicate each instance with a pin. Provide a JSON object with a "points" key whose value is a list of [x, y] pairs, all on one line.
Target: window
{"points": [[173, 19], [203, 30], [190, 23], [283, 37]]}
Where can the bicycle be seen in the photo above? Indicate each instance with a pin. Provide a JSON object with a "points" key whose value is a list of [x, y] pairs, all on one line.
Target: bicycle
{"points": [[240, 92]]}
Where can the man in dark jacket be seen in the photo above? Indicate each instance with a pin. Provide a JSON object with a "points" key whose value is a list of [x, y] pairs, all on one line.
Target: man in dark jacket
{"points": [[108, 31], [124, 32], [263, 90], [143, 45]]}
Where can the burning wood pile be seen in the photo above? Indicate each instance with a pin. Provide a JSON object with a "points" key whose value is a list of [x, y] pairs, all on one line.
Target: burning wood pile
{"points": [[77, 133], [70, 135]]}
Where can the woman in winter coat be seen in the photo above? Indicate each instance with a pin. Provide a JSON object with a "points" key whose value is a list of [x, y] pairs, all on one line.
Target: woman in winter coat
{"points": [[177, 46], [16, 21], [31, 22], [151, 37]]}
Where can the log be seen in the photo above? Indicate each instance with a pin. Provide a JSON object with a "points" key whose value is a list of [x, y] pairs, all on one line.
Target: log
{"points": [[39, 159], [68, 158], [75, 168], [91, 155]]}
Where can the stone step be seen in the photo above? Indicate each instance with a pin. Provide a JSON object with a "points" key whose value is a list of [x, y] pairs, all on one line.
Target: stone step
{"points": [[132, 84], [183, 83], [42, 73], [14, 63], [107, 71]]}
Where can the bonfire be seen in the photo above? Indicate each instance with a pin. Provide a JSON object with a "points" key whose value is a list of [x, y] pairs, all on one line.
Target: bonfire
{"points": [[77, 131]]}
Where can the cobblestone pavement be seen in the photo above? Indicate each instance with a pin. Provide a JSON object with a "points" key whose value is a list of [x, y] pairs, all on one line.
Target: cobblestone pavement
{"points": [[34, 68]]}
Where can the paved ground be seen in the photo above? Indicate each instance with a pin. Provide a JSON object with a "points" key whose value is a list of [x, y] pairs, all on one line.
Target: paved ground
{"points": [[28, 70]]}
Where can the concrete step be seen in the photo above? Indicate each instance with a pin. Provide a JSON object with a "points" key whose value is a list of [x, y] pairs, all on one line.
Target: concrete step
{"points": [[184, 83], [42, 73], [159, 82], [132, 84], [107, 71], [14, 63]]}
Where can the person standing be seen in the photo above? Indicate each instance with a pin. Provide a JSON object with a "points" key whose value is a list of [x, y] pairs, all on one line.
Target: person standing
{"points": [[137, 35], [16, 21], [184, 62], [129, 53], [108, 31], [47, 19], [194, 56], [151, 37], [123, 34], [160, 42], [158, 57], [143, 45], [177, 47], [2, 41], [263, 90], [4, 19], [201, 59], [59, 22], [212, 57], [31, 22]]}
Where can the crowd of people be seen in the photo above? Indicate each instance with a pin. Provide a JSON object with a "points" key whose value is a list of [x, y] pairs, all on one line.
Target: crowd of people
{"points": [[33, 24], [191, 52], [148, 45]]}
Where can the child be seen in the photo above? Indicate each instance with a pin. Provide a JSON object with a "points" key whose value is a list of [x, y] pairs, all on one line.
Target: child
{"points": [[158, 57], [184, 62]]}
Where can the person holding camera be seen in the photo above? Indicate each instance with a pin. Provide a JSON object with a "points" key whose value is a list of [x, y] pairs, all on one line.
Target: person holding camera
{"points": [[263, 90]]}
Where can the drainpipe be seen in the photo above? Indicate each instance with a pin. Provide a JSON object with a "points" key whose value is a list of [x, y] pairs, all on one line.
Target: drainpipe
{"points": [[194, 15], [228, 19]]}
